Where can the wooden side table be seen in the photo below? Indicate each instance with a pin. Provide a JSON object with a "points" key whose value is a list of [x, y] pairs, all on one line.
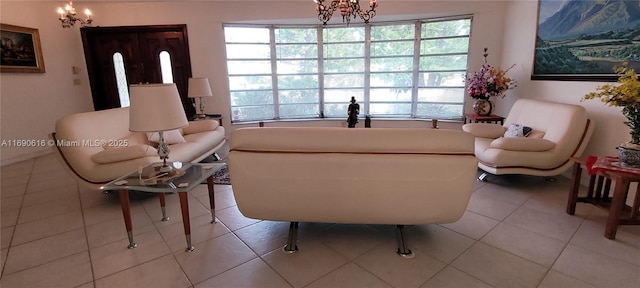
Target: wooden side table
{"points": [[598, 194], [473, 117]]}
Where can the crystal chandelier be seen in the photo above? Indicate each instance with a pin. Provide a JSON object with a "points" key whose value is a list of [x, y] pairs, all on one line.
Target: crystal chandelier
{"points": [[68, 16], [348, 9]]}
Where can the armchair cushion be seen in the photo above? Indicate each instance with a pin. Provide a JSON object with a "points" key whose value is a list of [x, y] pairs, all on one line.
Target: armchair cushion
{"points": [[522, 144], [484, 130], [200, 126], [124, 153]]}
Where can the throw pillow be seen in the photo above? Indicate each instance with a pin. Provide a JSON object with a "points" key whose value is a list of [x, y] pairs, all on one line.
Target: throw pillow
{"points": [[124, 153], [517, 130], [170, 137]]}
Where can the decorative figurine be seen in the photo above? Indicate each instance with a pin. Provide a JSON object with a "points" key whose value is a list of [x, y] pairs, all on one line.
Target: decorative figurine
{"points": [[367, 121], [353, 111]]}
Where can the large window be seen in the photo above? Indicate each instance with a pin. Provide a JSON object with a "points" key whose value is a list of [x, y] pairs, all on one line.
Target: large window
{"points": [[410, 69]]}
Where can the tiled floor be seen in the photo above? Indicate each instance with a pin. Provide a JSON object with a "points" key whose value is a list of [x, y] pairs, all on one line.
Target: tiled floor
{"points": [[514, 234]]}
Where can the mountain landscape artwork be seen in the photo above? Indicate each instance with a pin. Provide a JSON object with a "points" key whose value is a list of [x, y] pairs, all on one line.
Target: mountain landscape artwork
{"points": [[585, 39]]}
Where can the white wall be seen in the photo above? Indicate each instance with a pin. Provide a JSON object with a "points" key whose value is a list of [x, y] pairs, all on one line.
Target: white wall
{"points": [[31, 103]]}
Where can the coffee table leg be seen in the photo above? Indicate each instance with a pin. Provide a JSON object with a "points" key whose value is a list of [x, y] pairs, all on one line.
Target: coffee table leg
{"points": [[184, 206], [163, 203], [212, 201], [126, 212]]}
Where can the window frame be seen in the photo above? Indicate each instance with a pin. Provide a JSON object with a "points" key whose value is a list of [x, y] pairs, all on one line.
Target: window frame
{"points": [[415, 88]]}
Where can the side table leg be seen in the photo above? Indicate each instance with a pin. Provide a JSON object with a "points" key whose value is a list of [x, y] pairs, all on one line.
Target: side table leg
{"points": [[212, 201], [184, 206], [126, 212], [617, 203], [575, 187], [163, 207]]}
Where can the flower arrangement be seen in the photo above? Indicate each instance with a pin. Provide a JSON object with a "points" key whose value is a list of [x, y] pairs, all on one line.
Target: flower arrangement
{"points": [[625, 95], [489, 81]]}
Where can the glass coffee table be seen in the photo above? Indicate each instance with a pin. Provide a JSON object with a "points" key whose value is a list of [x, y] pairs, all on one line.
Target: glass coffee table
{"points": [[184, 178]]}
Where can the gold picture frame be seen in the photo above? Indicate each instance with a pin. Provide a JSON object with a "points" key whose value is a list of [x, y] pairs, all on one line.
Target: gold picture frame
{"points": [[20, 50]]}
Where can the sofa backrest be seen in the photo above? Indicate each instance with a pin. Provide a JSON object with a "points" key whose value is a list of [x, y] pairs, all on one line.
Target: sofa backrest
{"points": [[341, 175], [563, 124]]}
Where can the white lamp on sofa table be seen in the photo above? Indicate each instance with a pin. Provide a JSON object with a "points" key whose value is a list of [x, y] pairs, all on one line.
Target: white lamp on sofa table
{"points": [[156, 108], [199, 88]]}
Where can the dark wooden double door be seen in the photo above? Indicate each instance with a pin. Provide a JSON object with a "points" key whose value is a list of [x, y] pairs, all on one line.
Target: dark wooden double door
{"points": [[140, 47]]}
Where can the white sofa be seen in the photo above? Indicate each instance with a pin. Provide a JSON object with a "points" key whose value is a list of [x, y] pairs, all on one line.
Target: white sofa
{"points": [[559, 131], [360, 176], [98, 147]]}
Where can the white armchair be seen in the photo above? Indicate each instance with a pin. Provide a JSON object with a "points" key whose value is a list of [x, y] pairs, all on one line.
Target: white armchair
{"points": [[558, 131]]}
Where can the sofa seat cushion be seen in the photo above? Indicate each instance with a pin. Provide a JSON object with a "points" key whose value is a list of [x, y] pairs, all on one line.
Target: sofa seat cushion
{"points": [[200, 126], [134, 138], [124, 153], [196, 144]]}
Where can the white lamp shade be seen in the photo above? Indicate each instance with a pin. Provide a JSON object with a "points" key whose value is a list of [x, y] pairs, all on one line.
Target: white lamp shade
{"points": [[155, 107], [199, 87]]}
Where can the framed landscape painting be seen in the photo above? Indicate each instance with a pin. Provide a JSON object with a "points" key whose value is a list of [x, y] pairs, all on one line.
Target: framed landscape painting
{"points": [[20, 50], [584, 39]]}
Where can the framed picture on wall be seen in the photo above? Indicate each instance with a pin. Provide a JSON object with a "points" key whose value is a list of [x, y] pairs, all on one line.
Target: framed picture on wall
{"points": [[21, 50], [583, 40]]}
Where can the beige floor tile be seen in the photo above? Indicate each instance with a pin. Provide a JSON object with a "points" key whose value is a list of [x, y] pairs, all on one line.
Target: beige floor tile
{"points": [[69, 271], [556, 203], [398, 271], [86, 285], [590, 236], [559, 226], [526, 244], [201, 230], [353, 240], [6, 234], [597, 269], [451, 277], [499, 268], [264, 236], [56, 207], [313, 261], [233, 219], [556, 280], [348, 276], [490, 207], [472, 225], [115, 230], [223, 199], [508, 194], [4, 253], [53, 182], [108, 211], [42, 228], [93, 197], [49, 195], [9, 218], [115, 257], [11, 203], [18, 180], [254, 273], [438, 242], [12, 191], [147, 275], [213, 257], [20, 168], [45, 250], [174, 212]]}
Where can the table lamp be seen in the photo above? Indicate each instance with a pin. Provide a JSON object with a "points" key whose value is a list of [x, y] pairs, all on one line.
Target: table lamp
{"points": [[156, 108], [199, 88]]}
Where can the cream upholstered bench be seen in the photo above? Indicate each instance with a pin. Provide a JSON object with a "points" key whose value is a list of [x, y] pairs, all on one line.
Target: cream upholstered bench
{"points": [[359, 176]]}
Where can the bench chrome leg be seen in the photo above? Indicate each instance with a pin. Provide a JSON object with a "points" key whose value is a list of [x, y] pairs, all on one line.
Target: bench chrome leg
{"points": [[483, 177], [291, 246], [403, 249]]}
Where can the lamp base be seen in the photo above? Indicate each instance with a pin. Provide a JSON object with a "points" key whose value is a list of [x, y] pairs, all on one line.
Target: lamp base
{"points": [[200, 116]]}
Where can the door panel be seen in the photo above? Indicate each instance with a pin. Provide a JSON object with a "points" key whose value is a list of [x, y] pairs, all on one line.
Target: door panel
{"points": [[140, 47]]}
